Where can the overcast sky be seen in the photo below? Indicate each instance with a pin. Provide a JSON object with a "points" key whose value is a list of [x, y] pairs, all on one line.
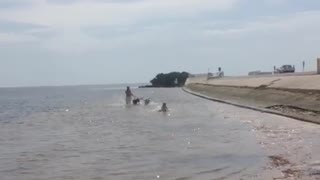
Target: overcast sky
{"points": [[66, 42]]}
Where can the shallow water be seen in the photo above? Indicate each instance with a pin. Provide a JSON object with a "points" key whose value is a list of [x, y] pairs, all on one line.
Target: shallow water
{"points": [[88, 133]]}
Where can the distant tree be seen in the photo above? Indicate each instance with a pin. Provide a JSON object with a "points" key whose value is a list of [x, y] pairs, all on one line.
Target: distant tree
{"points": [[172, 79]]}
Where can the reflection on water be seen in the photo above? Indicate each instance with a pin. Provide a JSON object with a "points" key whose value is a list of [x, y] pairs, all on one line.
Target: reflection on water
{"points": [[88, 133]]}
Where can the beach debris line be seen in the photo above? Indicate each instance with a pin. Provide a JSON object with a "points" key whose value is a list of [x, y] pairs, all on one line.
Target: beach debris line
{"points": [[293, 109], [278, 161]]}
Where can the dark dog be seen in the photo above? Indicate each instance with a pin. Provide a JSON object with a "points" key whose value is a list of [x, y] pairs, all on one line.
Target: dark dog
{"points": [[136, 101], [146, 101]]}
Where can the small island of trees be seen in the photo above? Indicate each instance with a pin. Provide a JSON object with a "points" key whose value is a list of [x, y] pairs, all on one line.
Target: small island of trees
{"points": [[173, 79]]}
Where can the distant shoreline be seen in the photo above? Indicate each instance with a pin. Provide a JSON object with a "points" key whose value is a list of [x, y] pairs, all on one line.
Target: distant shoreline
{"points": [[74, 85], [150, 86], [147, 86]]}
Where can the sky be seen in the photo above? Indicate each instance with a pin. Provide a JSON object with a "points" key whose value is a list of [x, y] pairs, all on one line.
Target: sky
{"points": [[75, 42]]}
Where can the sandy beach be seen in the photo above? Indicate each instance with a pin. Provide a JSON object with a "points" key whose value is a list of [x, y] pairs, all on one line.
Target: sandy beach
{"points": [[295, 96], [285, 141]]}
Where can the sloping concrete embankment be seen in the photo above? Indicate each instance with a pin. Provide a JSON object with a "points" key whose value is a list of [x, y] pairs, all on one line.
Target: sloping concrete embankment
{"points": [[296, 97]]}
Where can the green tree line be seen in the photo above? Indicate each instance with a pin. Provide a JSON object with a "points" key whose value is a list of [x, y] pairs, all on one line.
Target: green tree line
{"points": [[173, 79]]}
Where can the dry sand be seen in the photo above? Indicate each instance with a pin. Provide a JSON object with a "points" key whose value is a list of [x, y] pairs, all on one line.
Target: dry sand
{"points": [[287, 81], [293, 96]]}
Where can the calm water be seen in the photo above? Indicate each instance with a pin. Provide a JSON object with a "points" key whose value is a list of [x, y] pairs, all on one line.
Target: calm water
{"points": [[88, 133]]}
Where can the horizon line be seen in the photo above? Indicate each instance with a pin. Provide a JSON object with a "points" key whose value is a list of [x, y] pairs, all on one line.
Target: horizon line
{"points": [[71, 85]]}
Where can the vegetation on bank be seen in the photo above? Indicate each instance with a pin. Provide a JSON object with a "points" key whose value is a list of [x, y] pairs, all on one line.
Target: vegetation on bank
{"points": [[173, 79]]}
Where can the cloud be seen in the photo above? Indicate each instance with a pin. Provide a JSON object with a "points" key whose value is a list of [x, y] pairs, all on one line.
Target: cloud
{"points": [[5, 4], [63, 24], [14, 38], [276, 2], [14, 32], [7, 26], [97, 37], [82, 13], [285, 24]]}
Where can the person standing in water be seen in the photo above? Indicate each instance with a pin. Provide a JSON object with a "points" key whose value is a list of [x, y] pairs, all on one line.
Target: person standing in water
{"points": [[129, 95]]}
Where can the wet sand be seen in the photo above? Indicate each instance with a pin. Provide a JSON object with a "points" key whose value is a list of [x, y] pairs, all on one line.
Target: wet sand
{"points": [[291, 147]]}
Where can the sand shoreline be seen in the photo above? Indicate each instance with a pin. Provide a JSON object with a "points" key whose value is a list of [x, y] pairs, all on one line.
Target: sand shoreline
{"points": [[298, 104], [280, 81], [288, 145]]}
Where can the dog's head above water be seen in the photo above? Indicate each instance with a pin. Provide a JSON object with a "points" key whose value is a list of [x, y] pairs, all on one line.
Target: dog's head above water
{"points": [[136, 101]]}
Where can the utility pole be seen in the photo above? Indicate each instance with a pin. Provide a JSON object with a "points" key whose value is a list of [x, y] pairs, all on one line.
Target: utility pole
{"points": [[318, 65]]}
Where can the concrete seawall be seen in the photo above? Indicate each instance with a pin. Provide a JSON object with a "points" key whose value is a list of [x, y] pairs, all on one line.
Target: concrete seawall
{"points": [[296, 96], [307, 81]]}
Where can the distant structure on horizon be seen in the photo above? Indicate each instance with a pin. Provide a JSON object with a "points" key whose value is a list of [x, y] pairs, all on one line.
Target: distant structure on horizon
{"points": [[219, 74], [318, 66]]}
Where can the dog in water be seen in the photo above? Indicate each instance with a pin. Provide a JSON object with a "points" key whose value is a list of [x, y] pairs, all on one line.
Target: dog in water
{"points": [[146, 102], [136, 101]]}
